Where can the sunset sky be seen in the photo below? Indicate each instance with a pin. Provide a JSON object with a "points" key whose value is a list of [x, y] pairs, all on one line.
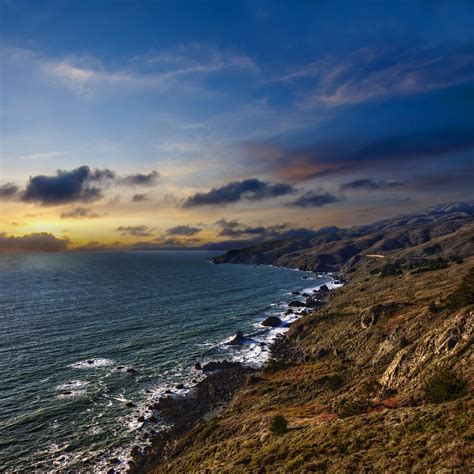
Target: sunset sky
{"points": [[164, 124]]}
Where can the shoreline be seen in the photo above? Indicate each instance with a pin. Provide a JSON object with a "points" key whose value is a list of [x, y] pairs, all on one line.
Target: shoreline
{"points": [[222, 379]]}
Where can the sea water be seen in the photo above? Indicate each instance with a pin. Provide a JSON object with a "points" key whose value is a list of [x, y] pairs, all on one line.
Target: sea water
{"points": [[89, 340]]}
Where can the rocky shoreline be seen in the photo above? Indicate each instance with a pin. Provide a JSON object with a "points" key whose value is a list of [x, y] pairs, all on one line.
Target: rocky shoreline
{"points": [[182, 412], [210, 395]]}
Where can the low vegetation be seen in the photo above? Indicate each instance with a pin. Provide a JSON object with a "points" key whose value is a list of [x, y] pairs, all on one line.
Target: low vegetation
{"points": [[464, 293], [278, 425], [445, 386]]}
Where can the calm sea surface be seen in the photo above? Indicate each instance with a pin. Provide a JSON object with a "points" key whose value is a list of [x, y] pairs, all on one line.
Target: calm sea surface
{"points": [[72, 325]]}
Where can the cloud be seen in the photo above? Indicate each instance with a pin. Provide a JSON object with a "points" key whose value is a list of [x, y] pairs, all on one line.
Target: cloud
{"points": [[314, 199], [78, 185], [41, 241], [79, 213], [136, 230], [155, 70], [250, 189], [369, 184], [140, 198], [344, 156], [9, 191], [139, 179], [368, 74], [235, 229], [185, 230]]}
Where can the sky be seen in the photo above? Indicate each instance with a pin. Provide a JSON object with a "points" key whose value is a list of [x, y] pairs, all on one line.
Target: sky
{"points": [[156, 124]]}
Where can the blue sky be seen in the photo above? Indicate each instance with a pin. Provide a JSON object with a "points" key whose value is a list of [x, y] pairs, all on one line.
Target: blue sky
{"points": [[358, 110]]}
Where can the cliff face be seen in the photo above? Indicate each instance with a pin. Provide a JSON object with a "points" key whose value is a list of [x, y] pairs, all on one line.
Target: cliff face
{"points": [[378, 379]]}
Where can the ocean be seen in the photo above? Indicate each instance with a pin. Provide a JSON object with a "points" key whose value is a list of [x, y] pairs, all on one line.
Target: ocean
{"points": [[89, 340]]}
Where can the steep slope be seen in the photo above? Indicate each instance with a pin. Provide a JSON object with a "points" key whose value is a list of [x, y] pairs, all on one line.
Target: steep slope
{"points": [[380, 379]]}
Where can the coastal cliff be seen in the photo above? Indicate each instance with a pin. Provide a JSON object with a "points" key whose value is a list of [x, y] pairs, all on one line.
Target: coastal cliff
{"points": [[377, 378]]}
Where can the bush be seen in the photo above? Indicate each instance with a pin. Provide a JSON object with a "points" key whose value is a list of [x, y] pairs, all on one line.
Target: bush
{"points": [[444, 387], [433, 308], [253, 379], [353, 407], [335, 382], [279, 425], [274, 365], [464, 293]]}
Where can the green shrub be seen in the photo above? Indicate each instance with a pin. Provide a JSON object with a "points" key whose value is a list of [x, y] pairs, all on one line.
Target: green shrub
{"points": [[404, 342], [444, 387], [464, 293], [335, 382], [353, 407], [278, 425], [253, 379], [274, 365], [391, 269]]}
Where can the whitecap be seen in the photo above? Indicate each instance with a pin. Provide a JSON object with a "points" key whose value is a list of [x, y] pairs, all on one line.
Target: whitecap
{"points": [[92, 363]]}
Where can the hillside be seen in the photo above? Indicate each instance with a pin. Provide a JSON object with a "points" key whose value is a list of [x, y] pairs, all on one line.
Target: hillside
{"points": [[439, 230], [378, 379]]}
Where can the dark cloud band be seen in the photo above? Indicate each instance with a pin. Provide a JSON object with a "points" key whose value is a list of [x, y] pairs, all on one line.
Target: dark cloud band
{"points": [[249, 189]]}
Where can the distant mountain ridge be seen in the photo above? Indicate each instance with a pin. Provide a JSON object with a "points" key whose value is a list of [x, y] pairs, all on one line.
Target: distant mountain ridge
{"points": [[440, 230]]}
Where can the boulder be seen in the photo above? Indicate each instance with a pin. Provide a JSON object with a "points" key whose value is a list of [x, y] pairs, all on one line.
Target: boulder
{"points": [[131, 370], [130, 404], [237, 340], [296, 304], [313, 302], [295, 293], [180, 386], [221, 365], [272, 321], [372, 315], [197, 366]]}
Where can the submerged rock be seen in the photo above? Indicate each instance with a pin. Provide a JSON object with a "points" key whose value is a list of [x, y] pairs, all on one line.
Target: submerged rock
{"points": [[272, 321], [131, 370]]}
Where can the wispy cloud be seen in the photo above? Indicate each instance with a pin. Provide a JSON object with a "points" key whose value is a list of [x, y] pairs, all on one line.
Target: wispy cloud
{"points": [[376, 74], [345, 156], [155, 69], [80, 213], [135, 230]]}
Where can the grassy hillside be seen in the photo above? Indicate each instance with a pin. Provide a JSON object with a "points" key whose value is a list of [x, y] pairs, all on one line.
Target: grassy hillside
{"points": [[380, 379]]}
